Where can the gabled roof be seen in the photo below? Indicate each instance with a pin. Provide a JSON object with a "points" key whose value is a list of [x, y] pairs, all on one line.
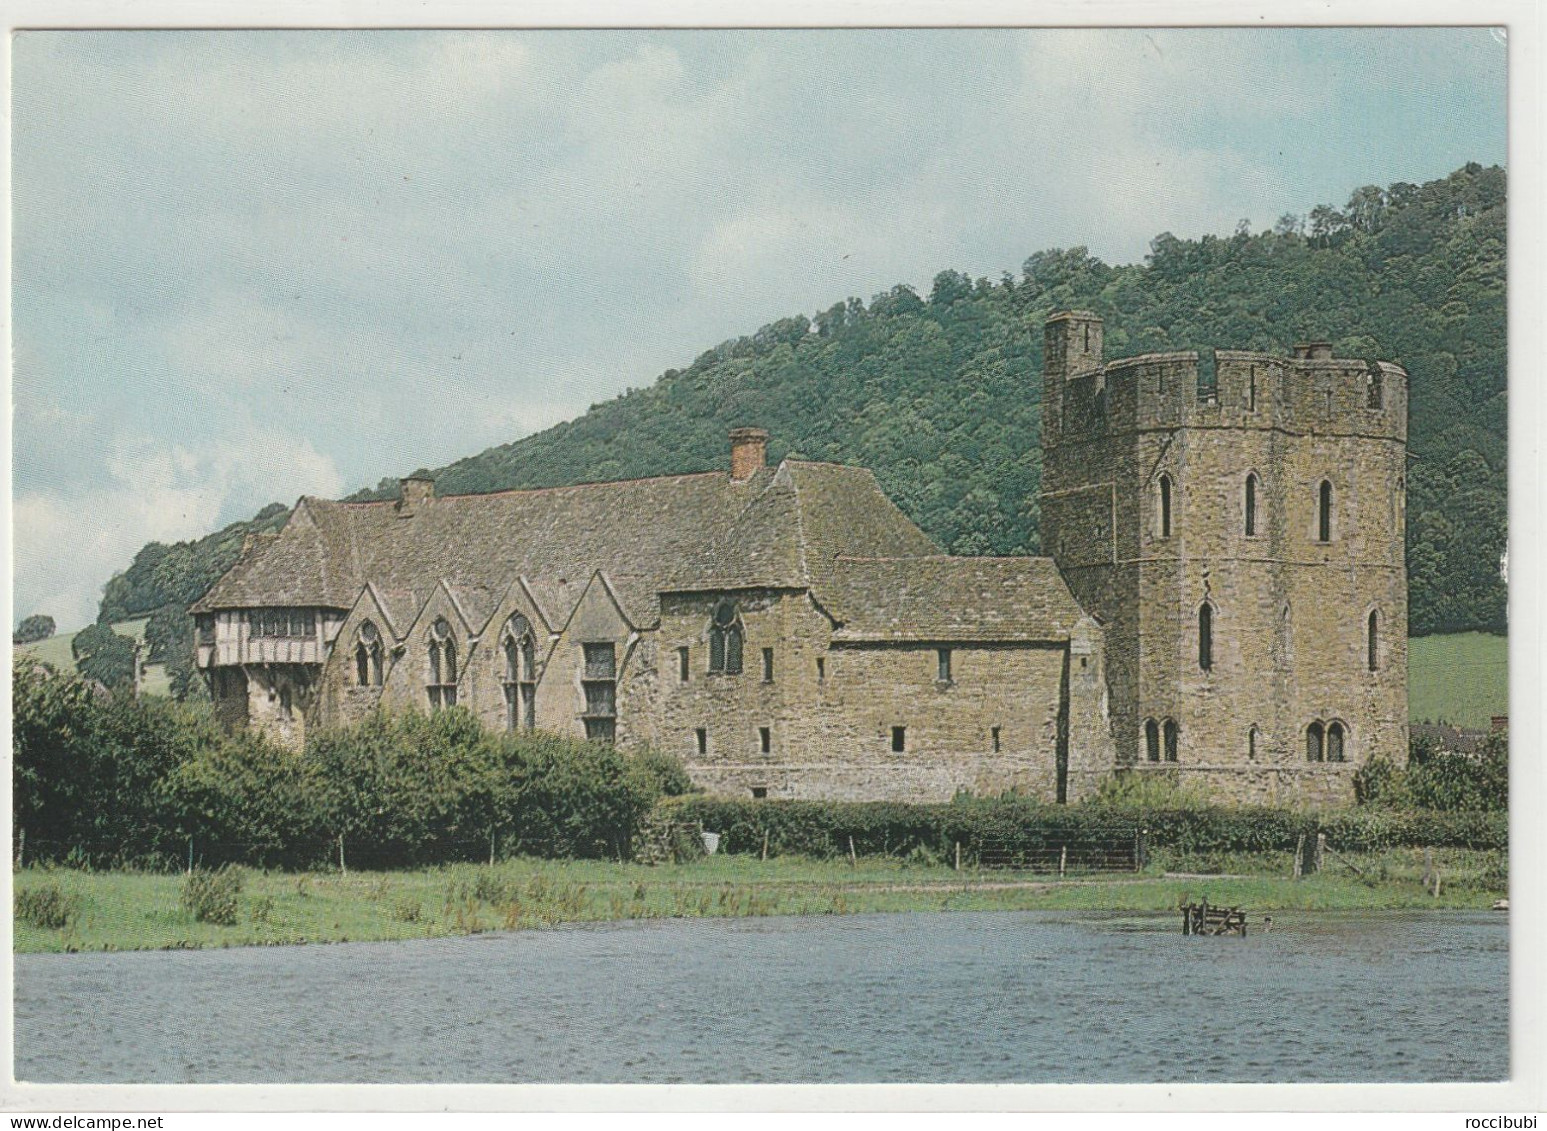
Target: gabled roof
{"points": [[788, 536], [945, 599], [779, 528]]}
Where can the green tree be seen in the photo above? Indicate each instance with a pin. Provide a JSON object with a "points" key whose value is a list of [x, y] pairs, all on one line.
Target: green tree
{"points": [[103, 655], [33, 628]]}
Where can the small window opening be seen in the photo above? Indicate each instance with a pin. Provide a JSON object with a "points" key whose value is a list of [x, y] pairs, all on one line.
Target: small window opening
{"points": [[1251, 391], [599, 682], [1170, 732], [1328, 396], [821, 669], [993, 737], [1251, 506], [899, 739], [684, 665], [1372, 643], [1324, 512], [1251, 744], [943, 665], [701, 740], [767, 665], [1152, 740], [1335, 742], [765, 739], [1206, 637], [759, 792], [1165, 506], [1314, 739]]}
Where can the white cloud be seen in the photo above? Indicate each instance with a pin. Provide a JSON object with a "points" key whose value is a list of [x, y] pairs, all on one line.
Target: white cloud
{"points": [[68, 543]]}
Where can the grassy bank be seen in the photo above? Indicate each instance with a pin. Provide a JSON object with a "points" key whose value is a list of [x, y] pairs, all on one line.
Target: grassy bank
{"points": [[138, 911]]}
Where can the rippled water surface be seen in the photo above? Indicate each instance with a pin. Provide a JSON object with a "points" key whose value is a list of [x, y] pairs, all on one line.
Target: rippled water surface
{"points": [[1010, 996]]}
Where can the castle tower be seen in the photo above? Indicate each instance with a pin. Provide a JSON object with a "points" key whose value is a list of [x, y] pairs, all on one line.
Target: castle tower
{"points": [[1242, 542]]}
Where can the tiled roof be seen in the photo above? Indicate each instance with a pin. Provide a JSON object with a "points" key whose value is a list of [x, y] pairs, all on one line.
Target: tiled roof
{"points": [[791, 533], [780, 528], [948, 599]]}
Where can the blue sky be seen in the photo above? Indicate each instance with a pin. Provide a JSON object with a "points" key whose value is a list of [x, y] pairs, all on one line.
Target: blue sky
{"points": [[252, 265]]}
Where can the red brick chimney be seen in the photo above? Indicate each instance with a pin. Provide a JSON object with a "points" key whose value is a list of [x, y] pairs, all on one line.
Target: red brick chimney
{"points": [[749, 453]]}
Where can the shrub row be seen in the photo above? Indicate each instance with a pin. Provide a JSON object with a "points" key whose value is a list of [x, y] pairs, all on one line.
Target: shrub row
{"points": [[1020, 825], [107, 780]]}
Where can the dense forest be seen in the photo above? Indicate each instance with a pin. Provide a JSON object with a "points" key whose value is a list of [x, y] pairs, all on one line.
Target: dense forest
{"points": [[940, 393]]}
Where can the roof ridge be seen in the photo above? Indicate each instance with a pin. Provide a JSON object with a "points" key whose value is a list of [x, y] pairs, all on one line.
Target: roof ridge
{"points": [[509, 491], [800, 531]]}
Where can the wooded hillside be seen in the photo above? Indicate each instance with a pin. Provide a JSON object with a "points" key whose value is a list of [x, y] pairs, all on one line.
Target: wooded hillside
{"points": [[940, 394]]}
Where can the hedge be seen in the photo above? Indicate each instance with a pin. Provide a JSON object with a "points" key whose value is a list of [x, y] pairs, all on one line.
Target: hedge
{"points": [[1019, 825]]}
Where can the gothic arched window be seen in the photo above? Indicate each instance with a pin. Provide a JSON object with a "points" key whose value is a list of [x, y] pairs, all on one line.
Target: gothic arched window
{"points": [[1324, 512], [1251, 505], [1152, 740], [442, 683], [1165, 505], [1170, 733], [725, 639], [368, 656], [1314, 748], [518, 646], [1335, 735]]}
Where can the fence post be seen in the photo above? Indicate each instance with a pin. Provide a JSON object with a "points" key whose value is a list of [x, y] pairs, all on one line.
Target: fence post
{"points": [[1300, 856], [1321, 851], [1063, 859]]}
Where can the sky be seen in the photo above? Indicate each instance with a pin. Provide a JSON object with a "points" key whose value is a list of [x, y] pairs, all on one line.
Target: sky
{"points": [[248, 266]]}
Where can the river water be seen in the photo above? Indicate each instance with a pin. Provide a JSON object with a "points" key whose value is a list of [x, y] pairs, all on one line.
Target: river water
{"points": [[1027, 997]]}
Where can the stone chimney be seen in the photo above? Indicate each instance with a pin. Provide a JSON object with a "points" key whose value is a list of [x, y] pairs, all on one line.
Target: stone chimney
{"points": [[1313, 351], [749, 453], [418, 491]]}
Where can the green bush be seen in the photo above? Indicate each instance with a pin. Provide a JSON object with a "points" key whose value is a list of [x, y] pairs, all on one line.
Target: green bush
{"points": [[1027, 830], [211, 897], [46, 907], [1439, 779]]}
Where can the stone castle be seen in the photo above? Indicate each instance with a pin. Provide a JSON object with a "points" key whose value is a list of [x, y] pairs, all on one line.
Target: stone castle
{"points": [[1225, 602]]}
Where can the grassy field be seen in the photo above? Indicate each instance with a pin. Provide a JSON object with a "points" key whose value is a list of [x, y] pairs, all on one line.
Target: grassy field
{"points": [[1462, 678], [137, 911], [56, 651]]}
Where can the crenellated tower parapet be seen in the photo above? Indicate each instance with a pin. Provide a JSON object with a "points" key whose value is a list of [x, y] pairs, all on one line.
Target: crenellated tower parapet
{"points": [[1236, 521]]}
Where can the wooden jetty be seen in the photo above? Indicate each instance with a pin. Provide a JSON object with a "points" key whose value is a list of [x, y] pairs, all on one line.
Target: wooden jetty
{"points": [[1201, 919]]}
